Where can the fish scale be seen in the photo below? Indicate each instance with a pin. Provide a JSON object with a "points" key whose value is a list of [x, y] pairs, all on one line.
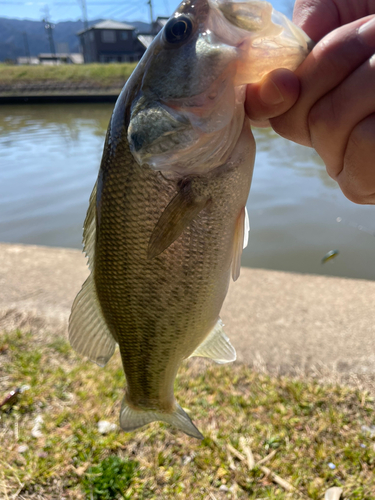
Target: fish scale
{"points": [[164, 302], [167, 223]]}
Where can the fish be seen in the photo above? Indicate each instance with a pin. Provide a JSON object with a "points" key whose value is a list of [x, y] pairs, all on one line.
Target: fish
{"points": [[167, 220], [329, 256]]}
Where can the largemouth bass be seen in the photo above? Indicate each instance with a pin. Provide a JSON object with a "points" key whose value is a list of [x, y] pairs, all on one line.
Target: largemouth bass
{"points": [[167, 222]]}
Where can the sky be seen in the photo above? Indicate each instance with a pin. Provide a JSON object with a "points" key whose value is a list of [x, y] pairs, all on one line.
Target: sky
{"points": [[119, 10]]}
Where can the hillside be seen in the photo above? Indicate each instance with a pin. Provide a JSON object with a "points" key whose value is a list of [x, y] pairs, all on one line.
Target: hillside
{"points": [[12, 44]]}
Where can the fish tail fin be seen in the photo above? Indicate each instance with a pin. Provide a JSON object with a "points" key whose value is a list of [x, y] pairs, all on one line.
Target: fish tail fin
{"points": [[131, 419]]}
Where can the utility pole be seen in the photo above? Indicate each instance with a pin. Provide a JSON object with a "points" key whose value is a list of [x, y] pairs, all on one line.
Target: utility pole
{"points": [[49, 27], [84, 14], [149, 2], [26, 43]]}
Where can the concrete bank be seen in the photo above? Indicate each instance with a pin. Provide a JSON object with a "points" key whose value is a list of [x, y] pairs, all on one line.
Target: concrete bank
{"points": [[64, 91], [282, 322], [57, 98]]}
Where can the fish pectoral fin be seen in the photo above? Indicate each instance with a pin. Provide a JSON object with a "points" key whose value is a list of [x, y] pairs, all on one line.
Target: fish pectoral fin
{"points": [[216, 346], [88, 331], [240, 241], [89, 229], [131, 419], [179, 213], [246, 230]]}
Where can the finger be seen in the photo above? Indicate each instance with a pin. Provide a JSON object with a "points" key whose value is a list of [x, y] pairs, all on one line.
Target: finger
{"points": [[317, 17], [272, 96], [333, 118], [357, 178], [330, 62]]}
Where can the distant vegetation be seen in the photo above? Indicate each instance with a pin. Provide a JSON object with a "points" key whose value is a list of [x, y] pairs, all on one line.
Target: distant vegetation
{"points": [[13, 32], [94, 73]]}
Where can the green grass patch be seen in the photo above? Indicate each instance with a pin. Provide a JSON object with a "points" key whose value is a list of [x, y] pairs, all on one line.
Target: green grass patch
{"points": [[96, 73], [109, 479], [301, 426]]}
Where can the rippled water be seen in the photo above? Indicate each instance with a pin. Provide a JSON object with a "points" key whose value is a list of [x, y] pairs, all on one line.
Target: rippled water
{"points": [[49, 158]]}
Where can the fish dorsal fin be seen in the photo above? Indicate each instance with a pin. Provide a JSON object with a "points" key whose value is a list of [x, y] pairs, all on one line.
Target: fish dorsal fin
{"points": [[88, 331], [216, 346], [179, 213], [241, 239], [89, 229]]}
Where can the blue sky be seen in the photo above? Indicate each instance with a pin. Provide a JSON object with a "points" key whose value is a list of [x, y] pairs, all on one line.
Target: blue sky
{"points": [[120, 10]]}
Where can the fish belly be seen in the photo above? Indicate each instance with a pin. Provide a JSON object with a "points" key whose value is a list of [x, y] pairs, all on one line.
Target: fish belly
{"points": [[160, 310]]}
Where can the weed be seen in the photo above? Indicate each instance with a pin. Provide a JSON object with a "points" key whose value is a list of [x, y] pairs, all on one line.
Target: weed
{"points": [[109, 479]]}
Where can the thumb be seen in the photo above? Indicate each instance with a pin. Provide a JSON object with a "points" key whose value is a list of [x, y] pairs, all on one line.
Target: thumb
{"points": [[272, 96]]}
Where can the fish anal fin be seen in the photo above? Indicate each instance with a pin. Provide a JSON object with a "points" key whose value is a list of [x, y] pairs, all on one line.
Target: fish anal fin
{"points": [[216, 346], [131, 419], [88, 331], [239, 242], [179, 213]]}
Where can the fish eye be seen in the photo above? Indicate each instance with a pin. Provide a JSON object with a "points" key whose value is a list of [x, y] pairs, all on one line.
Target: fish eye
{"points": [[178, 29]]}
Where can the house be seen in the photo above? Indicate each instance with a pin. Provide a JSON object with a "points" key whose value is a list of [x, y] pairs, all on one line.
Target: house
{"points": [[59, 58], [52, 59], [110, 41], [28, 60], [159, 24], [147, 38]]}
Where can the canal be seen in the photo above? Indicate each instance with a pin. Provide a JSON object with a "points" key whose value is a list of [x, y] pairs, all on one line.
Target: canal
{"points": [[50, 155]]}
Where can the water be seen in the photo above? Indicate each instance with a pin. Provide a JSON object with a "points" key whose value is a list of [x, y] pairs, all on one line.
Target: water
{"points": [[49, 158]]}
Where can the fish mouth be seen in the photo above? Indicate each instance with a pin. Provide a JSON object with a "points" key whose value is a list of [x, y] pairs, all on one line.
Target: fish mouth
{"points": [[160, 130], [156, 129], [183, 111]]}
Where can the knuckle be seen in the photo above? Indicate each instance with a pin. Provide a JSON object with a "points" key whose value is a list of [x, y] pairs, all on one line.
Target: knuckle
{"points": [[315, 118], [340, 52], [325, 114], [292, 126], [362, 136], [357, 178], [353, 195]]}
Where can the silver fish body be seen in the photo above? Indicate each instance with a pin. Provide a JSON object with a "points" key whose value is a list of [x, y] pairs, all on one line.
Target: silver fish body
{"points": [[167, 220]]}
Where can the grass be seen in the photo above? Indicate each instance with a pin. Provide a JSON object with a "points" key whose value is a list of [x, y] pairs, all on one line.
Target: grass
{"points": [[103, 74], [300, 427], [110, 478]]}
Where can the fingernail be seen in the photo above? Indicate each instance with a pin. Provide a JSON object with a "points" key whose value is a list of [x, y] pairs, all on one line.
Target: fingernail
{"points": [[270, 94], [367, 32]]}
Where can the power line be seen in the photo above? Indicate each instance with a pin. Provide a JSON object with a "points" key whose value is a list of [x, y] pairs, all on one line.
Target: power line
{"points": [[128, 12], [59, 4], [112, 11], [84, 13]]}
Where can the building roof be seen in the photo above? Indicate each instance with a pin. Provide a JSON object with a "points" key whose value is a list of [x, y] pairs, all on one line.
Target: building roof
{"points": [[145, 40], [108, 25], [76, 58], [162, 20]]}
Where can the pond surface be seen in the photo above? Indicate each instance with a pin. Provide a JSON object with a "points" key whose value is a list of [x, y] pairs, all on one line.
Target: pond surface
{"points": [[50, 155]]}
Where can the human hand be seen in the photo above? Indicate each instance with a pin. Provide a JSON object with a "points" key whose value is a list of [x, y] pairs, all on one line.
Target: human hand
{"points": [[334, 112]]}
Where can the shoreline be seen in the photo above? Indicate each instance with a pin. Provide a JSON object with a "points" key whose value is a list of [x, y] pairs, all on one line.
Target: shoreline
{"points": [[58, 92], [279, 322], [57, 98], [63, 83]]}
